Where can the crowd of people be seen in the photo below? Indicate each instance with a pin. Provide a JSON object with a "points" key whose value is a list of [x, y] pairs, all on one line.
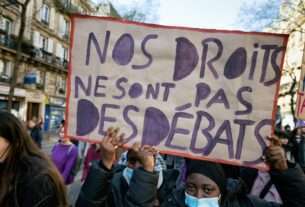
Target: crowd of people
{"points": [[141, 176], [293, 142]]}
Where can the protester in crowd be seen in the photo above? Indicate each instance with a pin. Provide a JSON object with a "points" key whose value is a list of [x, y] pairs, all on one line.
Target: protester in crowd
{"points": [[287, 129], [159, 166], [61, 131], [206, 185], [40, 122], [286, 137], [173, 162], [36, 131], [138, 184], [259, 184], [27, 176], [82, 148], [298, 143], [93, 154], [64, 156], [61, 128]]}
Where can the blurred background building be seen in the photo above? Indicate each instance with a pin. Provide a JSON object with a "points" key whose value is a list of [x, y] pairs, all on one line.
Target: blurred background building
{"points": [[41, 80]]}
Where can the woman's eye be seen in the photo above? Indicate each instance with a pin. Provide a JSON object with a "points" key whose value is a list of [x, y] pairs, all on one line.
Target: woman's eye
{"points": [[190, 188], [208, 190]]}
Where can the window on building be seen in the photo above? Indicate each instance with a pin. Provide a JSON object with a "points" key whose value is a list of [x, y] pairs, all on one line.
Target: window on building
{"points": [[67, 3], [6, 25], [2, 66], [5, 69], [65, 56], [66, 27], [44, 42], [58, 50], [40, 78], [61, 85], [45, 14]]}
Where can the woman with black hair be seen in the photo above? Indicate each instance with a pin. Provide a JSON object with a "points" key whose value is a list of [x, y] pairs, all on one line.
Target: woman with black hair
{"points": [[206, 185], [27, 177]]}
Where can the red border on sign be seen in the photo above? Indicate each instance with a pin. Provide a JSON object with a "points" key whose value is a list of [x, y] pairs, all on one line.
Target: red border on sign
{"points": [[260, 166], [231, 162], [69, 77]]}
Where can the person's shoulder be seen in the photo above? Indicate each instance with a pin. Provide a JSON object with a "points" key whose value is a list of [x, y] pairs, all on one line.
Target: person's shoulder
{"points": [[118, 172], [36, 129], [71, 148], [42, 182], [257, 202], [37, 164], [175, 198], [36, 173], [117, 178]]}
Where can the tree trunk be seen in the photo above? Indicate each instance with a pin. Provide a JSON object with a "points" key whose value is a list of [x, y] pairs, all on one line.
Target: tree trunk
{"points": [[292, 94], [18, 56]]}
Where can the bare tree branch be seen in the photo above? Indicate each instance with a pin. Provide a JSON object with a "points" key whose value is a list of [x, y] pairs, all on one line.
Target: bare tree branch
{"points": [[18, 56]]}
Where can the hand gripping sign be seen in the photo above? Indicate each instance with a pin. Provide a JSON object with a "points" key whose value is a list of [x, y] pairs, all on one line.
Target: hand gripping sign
{"points": [[199, 93]]}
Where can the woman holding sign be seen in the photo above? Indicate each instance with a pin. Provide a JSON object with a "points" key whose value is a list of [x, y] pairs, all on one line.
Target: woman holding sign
{"points": [[206, 185], [137, 184], [27, 176]]}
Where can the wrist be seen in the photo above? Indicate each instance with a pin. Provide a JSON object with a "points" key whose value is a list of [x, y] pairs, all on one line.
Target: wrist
{"points": [[149, 168], [280, 166], [107, 164]]}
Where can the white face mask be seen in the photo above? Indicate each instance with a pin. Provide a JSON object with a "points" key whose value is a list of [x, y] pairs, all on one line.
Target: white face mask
{"points": [[128, 173], [192, 201]]}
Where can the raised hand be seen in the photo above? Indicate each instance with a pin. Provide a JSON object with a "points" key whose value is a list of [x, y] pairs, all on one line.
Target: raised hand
{"points": [[108, 146], [146, 155], [275, 155]]}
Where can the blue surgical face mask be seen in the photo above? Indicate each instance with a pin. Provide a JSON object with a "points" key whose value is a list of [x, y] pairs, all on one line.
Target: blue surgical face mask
{"points": [[128, 172], [192, 201]]}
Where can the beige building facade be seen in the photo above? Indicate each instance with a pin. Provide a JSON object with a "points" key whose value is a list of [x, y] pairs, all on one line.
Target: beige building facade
{"points": [[42, 75], [292, 23]]}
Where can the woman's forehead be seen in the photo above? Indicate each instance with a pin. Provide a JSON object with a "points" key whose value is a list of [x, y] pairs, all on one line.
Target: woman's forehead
{"points": [[199, 179]]}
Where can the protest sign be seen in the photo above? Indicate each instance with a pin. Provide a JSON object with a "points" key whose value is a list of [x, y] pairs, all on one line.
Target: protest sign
{"points": [[206, 94]]}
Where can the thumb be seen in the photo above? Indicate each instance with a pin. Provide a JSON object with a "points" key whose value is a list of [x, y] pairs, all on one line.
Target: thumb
{"points": [[274, 141]]}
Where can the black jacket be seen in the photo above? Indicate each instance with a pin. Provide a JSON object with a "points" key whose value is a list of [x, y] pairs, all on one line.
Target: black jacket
{"points": [[100, 190], [36, 134], [33, 187], [104, 188], [298, 151], [290, 185]]}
